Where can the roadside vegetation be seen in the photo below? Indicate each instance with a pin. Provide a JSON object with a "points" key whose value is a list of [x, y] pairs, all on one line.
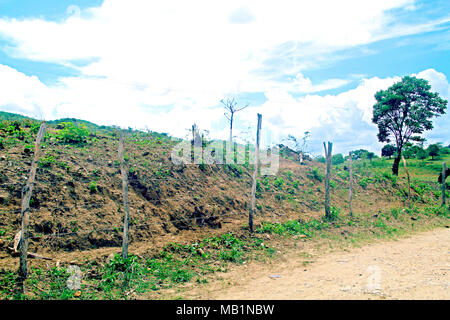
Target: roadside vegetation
{"points": [[196, 262]]}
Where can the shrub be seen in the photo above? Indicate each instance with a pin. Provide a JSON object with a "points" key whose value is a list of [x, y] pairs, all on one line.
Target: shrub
{"points": [[279, 182], [72, 134], [316, 175], [334, 214], [337, 159], [364, 182], [93, 187], [46, 162]]}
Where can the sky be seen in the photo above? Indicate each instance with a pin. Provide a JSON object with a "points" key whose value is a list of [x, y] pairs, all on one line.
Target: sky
{"points": [[163, 65]]}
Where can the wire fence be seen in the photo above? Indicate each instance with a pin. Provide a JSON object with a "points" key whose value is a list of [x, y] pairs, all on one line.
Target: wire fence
{"points": [[194, 180]]}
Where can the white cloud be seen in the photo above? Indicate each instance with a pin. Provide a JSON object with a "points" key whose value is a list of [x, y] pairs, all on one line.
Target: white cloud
{"points": [[344, 118], [438, 82], [191, 53], [24, 94], [167, 64]]}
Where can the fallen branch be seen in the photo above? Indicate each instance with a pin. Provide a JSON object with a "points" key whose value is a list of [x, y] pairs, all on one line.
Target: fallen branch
{"points": [[32, 255]]}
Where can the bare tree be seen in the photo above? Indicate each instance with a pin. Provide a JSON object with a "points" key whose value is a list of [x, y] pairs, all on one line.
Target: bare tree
{"points": [[230, 106], [300, 146]]}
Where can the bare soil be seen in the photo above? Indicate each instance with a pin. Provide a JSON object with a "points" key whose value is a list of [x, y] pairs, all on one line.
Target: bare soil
{"points": [[417, 267]]}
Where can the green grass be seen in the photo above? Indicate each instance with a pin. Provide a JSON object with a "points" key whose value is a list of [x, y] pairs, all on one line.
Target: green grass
{"points": [[179, 263]]}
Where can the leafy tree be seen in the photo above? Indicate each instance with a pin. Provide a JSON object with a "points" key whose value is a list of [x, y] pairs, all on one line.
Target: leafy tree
{"points": [[404, 111], [337, 159], [359, 154], [370, 156], [388, 150], [422, 154], [320, 159], [411, 151], [433, 150]]}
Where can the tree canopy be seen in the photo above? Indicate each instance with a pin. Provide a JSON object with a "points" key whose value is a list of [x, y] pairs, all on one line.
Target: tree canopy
{"points": [[404, 111]]}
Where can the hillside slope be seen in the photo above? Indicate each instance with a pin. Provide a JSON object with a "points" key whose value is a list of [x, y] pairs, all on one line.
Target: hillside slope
{"points": [[77, 200]]}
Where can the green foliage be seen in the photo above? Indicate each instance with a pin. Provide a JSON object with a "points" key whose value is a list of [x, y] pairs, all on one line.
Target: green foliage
{"points": [[63, 165], [332, 184], [320, 159], [93, 186], [279, 182], [293, 227], [388, 150], [334, 214], [71, 133], [7, 283], [433, 150], [364, 182], [315, 174], [122, 273], [390, 177], [46, 162], [406, 107], [337, 159], [359, 154]]}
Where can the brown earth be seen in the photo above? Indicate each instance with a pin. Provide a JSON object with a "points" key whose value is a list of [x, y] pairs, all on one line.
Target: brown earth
{"points": [[417, 267], [166, 200]]}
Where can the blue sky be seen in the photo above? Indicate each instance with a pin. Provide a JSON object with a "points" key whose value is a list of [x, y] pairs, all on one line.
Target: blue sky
{"points": [[163, 66]]}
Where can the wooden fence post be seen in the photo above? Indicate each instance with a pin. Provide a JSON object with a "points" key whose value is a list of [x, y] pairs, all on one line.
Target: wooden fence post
{"points": [[255, 172], [327, 178], [126, 204], [409, 182], [26, 196], [443, 183], [350, 184]]}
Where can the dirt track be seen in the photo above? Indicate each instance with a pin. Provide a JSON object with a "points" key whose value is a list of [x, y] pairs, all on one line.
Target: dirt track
{"points": [[410, 268]]}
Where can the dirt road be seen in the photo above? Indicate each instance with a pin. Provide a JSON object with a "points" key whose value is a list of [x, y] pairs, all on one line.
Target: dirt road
{"points": [[410, 268]]}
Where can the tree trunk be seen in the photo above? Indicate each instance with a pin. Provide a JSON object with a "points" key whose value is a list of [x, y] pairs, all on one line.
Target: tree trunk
{"points": [[231, 128], [396, 164]]}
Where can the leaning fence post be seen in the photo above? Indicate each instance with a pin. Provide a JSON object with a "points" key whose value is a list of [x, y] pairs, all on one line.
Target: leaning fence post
{"points": [[350, 184], [327, 178], [255, 172], [443, 183], [26, 196], [126, 204], [409, 182]]}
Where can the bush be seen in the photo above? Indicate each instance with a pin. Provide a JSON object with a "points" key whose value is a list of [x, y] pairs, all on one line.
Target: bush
{"points": [[316, 175], [364, 182], [72, 134], [279, 182], [93, 187], [46, 162], [337, 159]]}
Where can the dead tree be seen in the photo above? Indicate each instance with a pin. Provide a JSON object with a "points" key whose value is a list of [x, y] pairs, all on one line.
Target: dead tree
{"points": [[230, 106]]}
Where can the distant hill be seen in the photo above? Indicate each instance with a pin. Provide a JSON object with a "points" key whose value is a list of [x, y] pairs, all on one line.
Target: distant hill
{"points": [[12, 116]]}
